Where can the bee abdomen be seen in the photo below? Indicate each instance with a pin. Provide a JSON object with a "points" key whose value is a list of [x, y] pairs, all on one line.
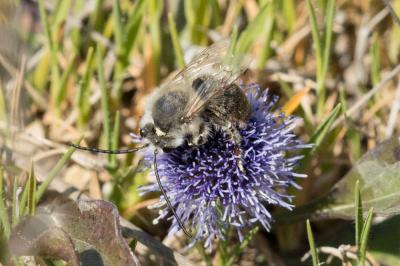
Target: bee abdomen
{"points": [[231, 105]]}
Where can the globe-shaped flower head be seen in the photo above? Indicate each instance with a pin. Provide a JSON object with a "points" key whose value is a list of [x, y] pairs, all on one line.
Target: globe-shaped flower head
{"points": [[209, 191]]}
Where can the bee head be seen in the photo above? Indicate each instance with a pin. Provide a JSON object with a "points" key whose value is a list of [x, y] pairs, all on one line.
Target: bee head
{"points": [[164, 127], [167, 112]]}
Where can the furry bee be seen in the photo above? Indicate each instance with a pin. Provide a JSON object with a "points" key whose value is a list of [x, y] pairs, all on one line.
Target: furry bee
{"points": [[201, 96], [186, 108]]}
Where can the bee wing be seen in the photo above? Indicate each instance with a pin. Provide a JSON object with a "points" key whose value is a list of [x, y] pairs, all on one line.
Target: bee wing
{"points": [[218, 67]]}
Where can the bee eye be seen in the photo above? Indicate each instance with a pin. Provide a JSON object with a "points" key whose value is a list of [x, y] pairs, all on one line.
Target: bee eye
{"points": [[143, 132], [146, 130]]}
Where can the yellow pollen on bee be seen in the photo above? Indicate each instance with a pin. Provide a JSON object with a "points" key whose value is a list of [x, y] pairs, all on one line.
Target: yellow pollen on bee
{"points": [[160, 133]]}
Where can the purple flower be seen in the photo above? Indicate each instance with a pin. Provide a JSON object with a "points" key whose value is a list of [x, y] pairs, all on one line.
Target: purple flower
{"points": [[208, 190]]}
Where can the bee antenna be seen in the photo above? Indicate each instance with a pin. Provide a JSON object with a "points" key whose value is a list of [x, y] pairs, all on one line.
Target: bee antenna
{"points": [[166, 197], [108, 151]]}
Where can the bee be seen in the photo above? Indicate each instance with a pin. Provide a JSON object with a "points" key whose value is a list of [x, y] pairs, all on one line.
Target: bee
{"points": [[201, 96], [185, 109]]}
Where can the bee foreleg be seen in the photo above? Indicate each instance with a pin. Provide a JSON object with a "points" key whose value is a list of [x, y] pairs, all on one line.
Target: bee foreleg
{"points": [[237, 140]]}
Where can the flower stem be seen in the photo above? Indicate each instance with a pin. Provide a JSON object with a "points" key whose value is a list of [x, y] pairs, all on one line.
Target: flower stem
{"points": [[203, 254], [223, 252]]}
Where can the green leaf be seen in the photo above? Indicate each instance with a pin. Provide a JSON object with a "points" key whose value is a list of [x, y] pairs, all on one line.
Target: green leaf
{"points": [[54, 172], [118, 30], [311, 242], [62, 92], [60, 13], [198, 17], [323, 129], [104, 100], [5, 222], [3, 110], [315, 33], [378, 172], [362, 249], [328, 30], [14, 209], [234, 40], [358, 213], [115, 139], [289, 10], [118, 27], [240, 247], [31, 192], [268, 32], [96, 17], [84, 89], [375, 59], [55, 71], [175, 41], [252, 31], [132, 27]]}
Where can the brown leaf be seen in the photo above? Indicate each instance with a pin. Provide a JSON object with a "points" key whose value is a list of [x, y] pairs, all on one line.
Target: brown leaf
{"points": [[92, 226], [51, 242]]}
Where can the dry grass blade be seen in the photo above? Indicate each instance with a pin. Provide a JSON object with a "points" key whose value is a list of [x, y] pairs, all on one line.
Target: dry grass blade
{"points": [[356, 107], [295, 101], [12, 71], [394, 113]]}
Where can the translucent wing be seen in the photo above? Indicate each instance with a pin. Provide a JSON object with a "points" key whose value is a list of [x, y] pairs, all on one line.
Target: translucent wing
{"points": [[216, 68]]}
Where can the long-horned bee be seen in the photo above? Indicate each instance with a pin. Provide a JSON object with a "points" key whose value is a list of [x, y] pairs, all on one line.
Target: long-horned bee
{"points": [[184, 109], [201, 96]]}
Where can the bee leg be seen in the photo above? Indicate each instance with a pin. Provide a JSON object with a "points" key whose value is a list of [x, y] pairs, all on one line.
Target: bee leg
{"points": [[237, 139]]}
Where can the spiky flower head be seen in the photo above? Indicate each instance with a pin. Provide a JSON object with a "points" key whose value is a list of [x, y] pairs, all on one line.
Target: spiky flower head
{"points": [[209, 191]]}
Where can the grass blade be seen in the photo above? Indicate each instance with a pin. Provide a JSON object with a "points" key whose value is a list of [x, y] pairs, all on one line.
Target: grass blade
{"points": [[216, 12], [96, 17], [3, 111], [60, 13], [364, 238], [117, 27], [375, 60], [64, 81], [84, 90], [294, 102], [31, 192], [289, 10], [323, 59], [115, 139], [358, 214], [155, 11], [239, 248], [268, 32], [198, 18], [313, 249], [234, 40], [105, 107], [246, 39], [118, 31], [3, 211], [330, 15], [55, 72], [315, 33], [24, 199], [175, 41], [53, 172], [133, 26], [15, 206], [323, 129]]}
